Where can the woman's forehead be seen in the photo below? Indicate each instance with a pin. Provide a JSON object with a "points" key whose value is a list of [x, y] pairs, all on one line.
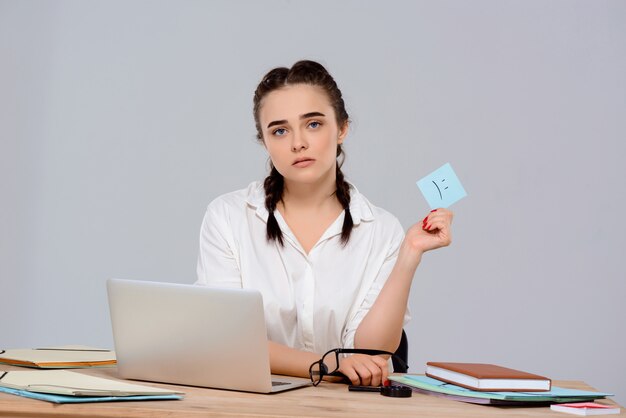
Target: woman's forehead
{"points": [[293, 101]]}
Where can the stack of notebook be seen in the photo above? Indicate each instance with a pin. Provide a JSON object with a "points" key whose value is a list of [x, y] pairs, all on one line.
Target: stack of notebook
{"points": [[63, 386], [491, 385]]}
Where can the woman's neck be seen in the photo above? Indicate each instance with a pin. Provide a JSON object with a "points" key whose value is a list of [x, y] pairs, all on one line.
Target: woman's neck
{"points": [[310, 195]]}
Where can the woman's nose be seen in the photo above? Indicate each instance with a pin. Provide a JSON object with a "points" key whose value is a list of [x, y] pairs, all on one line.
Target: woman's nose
{"points": [[299, 142]]}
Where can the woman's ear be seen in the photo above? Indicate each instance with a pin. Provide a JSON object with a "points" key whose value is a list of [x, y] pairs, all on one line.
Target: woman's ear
{"points": [[343, 132]]}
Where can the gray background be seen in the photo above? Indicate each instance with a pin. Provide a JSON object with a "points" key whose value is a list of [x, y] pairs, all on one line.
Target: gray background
{"points": [[120, 121]]}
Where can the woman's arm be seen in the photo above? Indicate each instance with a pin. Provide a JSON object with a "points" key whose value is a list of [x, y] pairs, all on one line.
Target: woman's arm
{"points": [[359, 368], [381, 328], [289, 361]]}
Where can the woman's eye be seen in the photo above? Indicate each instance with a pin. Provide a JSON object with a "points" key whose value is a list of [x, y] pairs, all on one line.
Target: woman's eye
{"points": [[314, 125], [280, 131]]}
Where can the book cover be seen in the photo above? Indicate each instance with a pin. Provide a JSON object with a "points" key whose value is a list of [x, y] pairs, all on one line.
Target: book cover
{"points": [[63, 357], [487, 377]]}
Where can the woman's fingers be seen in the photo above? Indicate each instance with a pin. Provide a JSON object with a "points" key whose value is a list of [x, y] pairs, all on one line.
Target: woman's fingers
{"points": [[438, 223], [351, 374], [383, 366], [365, 370], [437, 219], [434, 231], [375, 372]]}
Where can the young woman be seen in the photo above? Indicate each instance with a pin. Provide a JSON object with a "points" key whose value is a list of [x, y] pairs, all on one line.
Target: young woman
{"points": [[334, 270]]}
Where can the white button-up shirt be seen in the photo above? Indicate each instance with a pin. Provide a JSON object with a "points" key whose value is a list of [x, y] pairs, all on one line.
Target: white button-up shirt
{"points": [[312, 302]]}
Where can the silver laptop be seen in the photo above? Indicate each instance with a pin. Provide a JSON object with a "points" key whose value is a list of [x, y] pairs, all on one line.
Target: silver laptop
{"points": [[193, 335]]}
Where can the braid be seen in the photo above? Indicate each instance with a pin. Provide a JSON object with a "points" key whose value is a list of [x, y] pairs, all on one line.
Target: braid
{"points": [[343, 195], [273, 194]]}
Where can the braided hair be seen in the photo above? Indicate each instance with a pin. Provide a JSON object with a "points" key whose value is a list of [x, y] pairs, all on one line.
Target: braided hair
{"points": [[314, 74]]}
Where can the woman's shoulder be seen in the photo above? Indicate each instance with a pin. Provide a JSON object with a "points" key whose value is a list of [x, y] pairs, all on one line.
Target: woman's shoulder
{"points": [[366, 211], [252, 195]]}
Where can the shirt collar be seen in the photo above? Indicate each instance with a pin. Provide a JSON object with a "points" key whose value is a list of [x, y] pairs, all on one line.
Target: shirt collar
{"points": [[256, 198], [360, 208]]}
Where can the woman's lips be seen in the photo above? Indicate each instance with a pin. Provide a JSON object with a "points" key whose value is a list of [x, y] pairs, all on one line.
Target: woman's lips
{"points": [[303, 163]]}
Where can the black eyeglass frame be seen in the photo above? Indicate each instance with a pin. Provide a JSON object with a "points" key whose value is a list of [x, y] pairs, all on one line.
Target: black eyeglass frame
{"points": [[323, 369]]}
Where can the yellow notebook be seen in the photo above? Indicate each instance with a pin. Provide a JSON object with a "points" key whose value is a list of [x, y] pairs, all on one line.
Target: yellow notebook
{"points": [[63, 357]]}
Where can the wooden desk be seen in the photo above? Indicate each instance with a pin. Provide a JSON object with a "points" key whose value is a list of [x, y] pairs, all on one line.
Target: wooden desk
{"points": [[326, 400]]}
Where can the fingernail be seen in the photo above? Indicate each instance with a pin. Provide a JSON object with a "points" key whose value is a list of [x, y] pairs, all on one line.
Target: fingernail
{"points": [[428, 227], [434, 210]]}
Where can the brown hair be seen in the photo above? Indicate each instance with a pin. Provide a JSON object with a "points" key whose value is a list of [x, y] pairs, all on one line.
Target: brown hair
{"points": [[314, 74]]}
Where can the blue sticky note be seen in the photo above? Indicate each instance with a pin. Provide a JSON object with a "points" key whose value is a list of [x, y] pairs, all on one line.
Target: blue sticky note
{"points": [[442, 187]]}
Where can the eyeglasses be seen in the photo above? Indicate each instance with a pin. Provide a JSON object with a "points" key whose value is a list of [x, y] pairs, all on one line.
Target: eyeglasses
{"points": [[318, 370]]}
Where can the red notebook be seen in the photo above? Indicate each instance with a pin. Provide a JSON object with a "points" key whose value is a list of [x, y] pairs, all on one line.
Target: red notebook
{"points": [[586, 408], [487, 377]]}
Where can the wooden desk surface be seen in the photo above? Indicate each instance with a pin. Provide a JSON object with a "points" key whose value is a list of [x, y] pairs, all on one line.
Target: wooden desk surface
{"points": [[326, 400]]}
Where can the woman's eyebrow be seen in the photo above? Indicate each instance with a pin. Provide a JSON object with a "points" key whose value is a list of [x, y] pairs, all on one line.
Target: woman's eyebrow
{"points": [[305, 116], [312, 115], [277, 122]]}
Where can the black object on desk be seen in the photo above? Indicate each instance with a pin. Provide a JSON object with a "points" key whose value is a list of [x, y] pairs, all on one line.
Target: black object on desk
{"points": [[394, 391]]}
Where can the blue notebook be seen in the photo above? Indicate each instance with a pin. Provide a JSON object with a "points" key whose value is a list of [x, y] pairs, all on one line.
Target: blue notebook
{"points": [[84, 399], [557, 394]]}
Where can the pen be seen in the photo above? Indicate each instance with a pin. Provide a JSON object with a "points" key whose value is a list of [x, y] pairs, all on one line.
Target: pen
{"points": [[357, 388], [387, 390], [72, 349]]}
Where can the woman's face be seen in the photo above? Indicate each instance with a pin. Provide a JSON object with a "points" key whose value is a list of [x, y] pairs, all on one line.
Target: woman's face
{"points": [[301, 134]]}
